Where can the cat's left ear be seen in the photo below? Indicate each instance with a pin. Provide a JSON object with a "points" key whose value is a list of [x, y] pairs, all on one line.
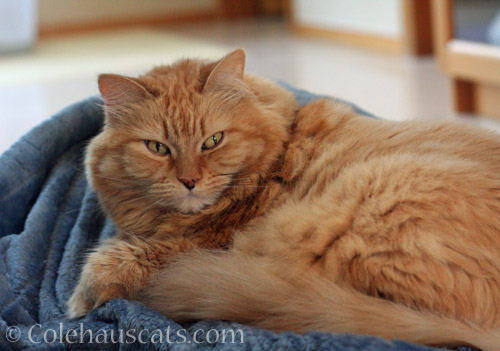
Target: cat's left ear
{"points": [[228, 72]]}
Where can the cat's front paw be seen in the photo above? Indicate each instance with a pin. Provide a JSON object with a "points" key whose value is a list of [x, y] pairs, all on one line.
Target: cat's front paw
{"points": [[79, 303], [93, 289], [89, 296], [118, 269]]}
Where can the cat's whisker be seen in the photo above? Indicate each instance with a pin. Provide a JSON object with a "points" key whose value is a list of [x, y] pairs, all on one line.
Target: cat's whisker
{"points": [[97, 205], [101, 176], [243, 178], [93, 207], [151, 205], [252, 186], [131, 200], [227, 174], [162, 189], [249, 182], [237, 173]]}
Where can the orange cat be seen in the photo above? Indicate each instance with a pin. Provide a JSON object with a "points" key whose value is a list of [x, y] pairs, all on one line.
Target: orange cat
{"points": [[327, 220]]}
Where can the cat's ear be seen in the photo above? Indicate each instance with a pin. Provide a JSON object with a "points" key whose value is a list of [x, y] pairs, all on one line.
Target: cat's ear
{"points": [[228, 72], [118, 92], [116, 89]]}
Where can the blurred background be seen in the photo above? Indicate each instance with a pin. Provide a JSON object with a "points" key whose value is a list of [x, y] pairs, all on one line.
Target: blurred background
{"points": [[399, 59]]}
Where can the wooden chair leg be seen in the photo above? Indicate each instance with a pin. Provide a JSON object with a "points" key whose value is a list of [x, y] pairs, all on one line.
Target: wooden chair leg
{"points": [[463, 95]]}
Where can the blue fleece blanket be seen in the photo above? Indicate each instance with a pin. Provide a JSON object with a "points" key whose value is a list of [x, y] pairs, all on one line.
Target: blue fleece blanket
{"points": [[49, 219]]}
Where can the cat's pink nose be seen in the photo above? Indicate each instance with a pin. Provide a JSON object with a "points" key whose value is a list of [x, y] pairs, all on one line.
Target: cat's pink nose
{"points": [[189, 182]]}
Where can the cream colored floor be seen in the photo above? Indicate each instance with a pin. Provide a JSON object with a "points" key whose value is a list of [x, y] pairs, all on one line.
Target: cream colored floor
{"points": [[63, 70]]}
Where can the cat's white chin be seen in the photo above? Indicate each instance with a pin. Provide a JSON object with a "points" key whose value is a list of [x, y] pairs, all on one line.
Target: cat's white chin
{"points": [[192, 203]]}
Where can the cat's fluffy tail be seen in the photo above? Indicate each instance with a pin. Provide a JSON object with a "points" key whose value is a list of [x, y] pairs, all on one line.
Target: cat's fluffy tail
{"points": [[225, 285]]}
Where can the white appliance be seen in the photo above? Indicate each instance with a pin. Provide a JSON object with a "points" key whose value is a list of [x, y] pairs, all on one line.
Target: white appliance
{"points": [[18, 24]]}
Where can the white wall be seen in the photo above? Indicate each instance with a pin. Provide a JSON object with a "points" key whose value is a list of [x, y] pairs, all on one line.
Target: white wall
{"points": [[383, 17], [56, 12]]}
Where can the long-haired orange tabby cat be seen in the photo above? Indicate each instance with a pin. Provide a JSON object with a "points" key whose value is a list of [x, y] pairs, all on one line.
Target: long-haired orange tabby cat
{"points": [[232, 203]]}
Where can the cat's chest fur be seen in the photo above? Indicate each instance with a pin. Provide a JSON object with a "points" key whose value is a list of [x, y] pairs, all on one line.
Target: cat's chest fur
{"points": [[215, 227]]}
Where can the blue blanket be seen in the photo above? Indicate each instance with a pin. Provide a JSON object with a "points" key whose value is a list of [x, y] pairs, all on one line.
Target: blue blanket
{"points": [[49, 219]]}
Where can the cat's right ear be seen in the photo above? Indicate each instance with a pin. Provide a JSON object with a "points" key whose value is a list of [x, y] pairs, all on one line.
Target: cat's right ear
{"points": [[119, 92]]}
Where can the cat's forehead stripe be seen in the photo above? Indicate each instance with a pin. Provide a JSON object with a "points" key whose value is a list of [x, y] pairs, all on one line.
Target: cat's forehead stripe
{"points": [[165, 128], [181, 117]]}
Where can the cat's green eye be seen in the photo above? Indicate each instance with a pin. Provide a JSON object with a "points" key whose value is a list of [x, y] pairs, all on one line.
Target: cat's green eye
{"points": [[212, 141], [157, 148]]}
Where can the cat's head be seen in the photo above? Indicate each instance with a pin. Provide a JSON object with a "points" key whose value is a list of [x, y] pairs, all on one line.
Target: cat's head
{"points": [[178, 136]]}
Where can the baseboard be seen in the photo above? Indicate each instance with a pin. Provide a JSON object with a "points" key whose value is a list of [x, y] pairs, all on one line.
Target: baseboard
{"points": [[71, 28], [363, 40]]}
